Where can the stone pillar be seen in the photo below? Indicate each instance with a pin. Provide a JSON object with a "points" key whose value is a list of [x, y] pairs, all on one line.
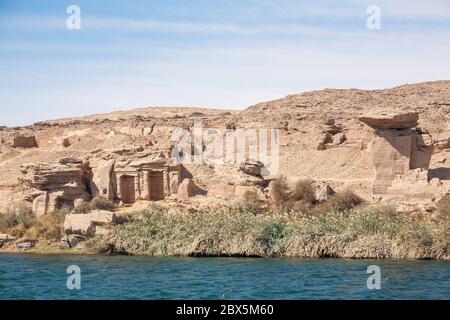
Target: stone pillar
{"points": [[119, 186], [166, 181], [391, 156], [174, 182], [137, 190], [146, 187]]}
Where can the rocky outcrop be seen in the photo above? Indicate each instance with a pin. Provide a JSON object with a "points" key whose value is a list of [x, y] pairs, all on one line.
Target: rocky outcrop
{"points": [[322, 191], [397, 148], [252, 168], [187, 188], [102, 180], [61, 183], [401, 156], [391, 120], [71, 241], [87, 224], [5, 238]]}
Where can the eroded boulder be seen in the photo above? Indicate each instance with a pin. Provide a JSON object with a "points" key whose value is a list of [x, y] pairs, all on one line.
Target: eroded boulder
{"points": [[187, 188], [391, 120], [56, 184], [86, 224]]}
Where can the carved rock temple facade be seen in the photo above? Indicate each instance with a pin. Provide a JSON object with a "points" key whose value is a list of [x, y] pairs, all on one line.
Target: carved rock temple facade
{"points": [[145, 180]]}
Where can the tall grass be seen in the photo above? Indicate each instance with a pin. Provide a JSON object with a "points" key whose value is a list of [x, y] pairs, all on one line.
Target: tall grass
{"points": [[362, 232]]}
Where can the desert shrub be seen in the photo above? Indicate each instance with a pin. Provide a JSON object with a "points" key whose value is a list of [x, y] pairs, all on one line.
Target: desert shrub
{"points": [[443, 206], [7, 220], [102, 203], [25, 217], [15, 222], [84, 207], [304, 191], [280, 192], [48, 226], [340, 202], [17, 231]]}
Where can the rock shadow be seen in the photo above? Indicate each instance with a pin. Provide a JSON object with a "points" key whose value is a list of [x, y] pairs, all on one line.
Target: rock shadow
{"points": [[440, 173]]}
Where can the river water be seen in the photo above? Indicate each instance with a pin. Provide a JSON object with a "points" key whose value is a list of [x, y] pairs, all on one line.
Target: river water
{"points": [[29, 276]]}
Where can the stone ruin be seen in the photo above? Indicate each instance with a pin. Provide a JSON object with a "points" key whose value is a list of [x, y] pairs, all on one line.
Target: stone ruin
{"points": [[401, 154], [24, 141], [69, 181], [146, 180]]}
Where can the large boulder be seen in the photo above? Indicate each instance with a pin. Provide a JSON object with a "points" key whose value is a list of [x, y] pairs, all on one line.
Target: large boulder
{"points": [[253, 168], [102, 182], [323, 191], [5, 238], [391, 120], [186, 188], [86, 224], [71, 241]]}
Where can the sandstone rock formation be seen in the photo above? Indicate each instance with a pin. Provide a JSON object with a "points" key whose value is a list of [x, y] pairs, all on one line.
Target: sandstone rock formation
{"points": [[186, 189], [53, 185], [391, 120], [125, 148], [401, 157], [398, 148], [87, 224], [323, 191]]}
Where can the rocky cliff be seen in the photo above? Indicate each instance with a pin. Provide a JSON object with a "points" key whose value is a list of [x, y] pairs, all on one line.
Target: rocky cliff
{"points": [[330, 136]]}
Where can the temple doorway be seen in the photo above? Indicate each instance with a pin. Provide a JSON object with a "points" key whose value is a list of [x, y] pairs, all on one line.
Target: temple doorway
{"points": [[127, 189], [156, 185]]}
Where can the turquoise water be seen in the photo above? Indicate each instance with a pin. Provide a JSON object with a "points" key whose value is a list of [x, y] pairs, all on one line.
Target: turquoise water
{"points": [[126, 277]]}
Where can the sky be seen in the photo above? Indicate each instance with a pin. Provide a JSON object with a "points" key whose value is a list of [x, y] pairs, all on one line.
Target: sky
{"points": [[208, 53]]}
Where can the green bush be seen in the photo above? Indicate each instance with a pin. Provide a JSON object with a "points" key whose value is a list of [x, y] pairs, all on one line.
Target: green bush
{"points": [[102, 203]]}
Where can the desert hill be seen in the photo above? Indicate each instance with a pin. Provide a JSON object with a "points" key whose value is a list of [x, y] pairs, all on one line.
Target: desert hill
{"points": [[321, 136]]}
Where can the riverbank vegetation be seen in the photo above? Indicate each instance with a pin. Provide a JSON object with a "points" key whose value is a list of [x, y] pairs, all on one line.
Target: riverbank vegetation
{"points": [[341, 227], [293, 224]]}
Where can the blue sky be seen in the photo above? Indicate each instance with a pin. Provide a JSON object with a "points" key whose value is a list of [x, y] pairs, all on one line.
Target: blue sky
{"points": [[218, 54]]}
